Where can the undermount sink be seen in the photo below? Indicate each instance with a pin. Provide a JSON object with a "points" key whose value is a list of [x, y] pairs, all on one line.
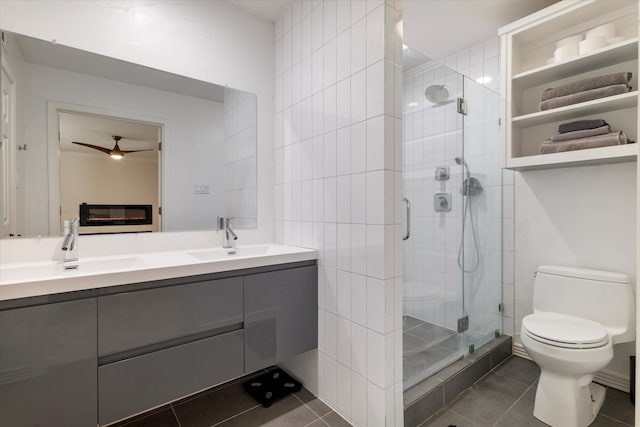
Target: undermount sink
{"points": [[223, 253], [56, 270]]}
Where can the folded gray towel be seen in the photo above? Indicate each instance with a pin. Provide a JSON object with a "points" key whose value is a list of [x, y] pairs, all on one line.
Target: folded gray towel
{"points": [[581, 125], [587, 84], [611, 138], [581, 133], [588, 95]]}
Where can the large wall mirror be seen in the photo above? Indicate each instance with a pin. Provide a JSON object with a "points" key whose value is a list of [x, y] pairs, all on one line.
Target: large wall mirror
{"points": [[124, 147]]}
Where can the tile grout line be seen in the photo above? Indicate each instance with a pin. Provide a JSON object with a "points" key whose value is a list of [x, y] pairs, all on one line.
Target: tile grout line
{"points": [[316, 420], [175, 415], [236, 415], [309, 408], [514, 379], [614, 419], [463, 417], [514, 404]]}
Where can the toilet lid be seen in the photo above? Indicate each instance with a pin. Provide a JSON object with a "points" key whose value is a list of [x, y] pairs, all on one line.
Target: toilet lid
{"points": [[566, 331]]}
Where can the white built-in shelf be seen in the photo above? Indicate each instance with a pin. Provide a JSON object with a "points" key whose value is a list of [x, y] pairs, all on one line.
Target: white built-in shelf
{"points": [[590, 156], [626, 50], [528, 42], [597, 106]]}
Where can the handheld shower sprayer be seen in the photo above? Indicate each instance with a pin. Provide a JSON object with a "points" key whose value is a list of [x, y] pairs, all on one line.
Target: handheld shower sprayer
{"points": [[460, 161], [470, 187]]}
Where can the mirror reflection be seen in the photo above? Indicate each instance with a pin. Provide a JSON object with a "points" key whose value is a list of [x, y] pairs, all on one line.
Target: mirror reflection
{"points": [[125, 147]]}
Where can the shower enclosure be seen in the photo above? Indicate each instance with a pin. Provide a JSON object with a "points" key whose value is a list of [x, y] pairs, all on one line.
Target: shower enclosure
{"points": [[453, 185]]}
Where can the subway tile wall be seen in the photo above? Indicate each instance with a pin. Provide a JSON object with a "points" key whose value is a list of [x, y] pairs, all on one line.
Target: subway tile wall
{"points": [[338, 187], [240, 161]]}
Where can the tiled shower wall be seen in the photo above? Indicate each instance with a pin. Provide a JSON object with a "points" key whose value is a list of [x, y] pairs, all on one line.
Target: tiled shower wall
{"points": [[432, 137], [338, 162], [240, 157]]}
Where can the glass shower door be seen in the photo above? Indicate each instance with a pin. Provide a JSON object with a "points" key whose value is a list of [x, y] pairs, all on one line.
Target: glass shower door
{"points": [[481, 254], [433, 283], [452, 177]]}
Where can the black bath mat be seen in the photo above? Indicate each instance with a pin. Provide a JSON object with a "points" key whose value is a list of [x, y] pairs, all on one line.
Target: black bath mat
{"points": [[273, 385]]}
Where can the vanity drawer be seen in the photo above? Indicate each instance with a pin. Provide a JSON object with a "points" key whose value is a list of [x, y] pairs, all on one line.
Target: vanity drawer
{"points": [[134, 385], [150, 319], [281, 315]]}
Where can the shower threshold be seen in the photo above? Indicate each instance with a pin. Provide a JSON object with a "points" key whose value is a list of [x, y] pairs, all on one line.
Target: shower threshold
{"points": [[451, 376]]}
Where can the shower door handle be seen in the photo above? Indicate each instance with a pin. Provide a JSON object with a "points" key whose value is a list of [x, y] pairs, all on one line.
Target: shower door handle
{"points": [[408, 233]]}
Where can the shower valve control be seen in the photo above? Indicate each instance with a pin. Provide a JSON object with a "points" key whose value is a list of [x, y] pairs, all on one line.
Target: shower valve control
{"points": [[442, 202], [442, 173]]}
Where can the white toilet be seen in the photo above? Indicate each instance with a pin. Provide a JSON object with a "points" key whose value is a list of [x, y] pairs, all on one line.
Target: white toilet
{"points": [[578, 315]]}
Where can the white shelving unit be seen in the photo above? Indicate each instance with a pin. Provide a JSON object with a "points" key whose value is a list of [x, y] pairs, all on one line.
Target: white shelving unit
{"points": [[526, 45]]}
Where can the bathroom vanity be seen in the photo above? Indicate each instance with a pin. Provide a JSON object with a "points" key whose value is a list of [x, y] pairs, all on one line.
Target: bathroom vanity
{"points": [[120, 345]]}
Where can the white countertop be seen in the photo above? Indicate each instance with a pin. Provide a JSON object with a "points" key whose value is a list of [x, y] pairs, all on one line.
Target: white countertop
{"points": [[29, 279]]}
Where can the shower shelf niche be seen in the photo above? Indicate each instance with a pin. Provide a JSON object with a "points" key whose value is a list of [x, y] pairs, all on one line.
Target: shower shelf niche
{"points": [[526, 45]]}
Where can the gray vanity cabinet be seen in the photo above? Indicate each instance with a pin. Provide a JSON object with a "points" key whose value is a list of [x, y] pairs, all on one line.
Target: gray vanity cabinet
{"points": [[103, 356], [48, 365], [280, 315], [147, 318], [160, 344], [139, 383]]}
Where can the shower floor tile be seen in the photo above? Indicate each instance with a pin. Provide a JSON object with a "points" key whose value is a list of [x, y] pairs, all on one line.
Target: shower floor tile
{"points": [[427, 349], [430, 333], [409, 322]]}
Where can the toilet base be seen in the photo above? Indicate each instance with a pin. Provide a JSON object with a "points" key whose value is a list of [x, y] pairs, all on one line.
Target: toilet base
{"points": [[563, 401]]}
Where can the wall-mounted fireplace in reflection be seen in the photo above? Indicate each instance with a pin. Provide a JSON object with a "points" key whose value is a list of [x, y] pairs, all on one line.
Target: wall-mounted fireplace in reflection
{"points": [[105, 215]]}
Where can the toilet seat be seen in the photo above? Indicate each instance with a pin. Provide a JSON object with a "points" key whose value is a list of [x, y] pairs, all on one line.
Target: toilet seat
{"points": [[561, 330]]}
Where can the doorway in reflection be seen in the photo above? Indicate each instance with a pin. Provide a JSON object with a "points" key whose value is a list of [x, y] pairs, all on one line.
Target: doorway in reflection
{"points": [[113, 163]]}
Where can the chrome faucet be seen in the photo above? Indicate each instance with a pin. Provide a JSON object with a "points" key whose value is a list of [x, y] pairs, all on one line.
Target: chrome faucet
{"points": [[70, 243], [229, 237]]}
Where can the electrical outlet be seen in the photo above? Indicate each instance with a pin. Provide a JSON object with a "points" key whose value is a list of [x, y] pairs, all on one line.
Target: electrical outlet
{"points": [[201, 189]]}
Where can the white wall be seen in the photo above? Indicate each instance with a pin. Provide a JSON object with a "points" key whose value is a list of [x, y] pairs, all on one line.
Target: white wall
{"points": [[579, 216], [209, 41], [338, 158], [98, 179], [191, 153]]}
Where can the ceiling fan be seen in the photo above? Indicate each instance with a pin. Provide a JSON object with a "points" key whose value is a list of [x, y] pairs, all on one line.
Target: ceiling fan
{"points": [[115, 152]]}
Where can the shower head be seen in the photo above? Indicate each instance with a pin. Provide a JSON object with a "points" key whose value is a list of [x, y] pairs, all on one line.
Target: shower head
{"points": [[460, 161], [437, 94]]}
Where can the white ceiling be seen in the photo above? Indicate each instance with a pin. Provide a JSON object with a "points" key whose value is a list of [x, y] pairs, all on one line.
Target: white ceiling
{"points": [[436, 28], [99, 131], [265, 9]]}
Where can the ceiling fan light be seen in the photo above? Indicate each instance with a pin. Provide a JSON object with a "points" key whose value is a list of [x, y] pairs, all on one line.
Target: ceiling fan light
{"points": [[116, 156]]}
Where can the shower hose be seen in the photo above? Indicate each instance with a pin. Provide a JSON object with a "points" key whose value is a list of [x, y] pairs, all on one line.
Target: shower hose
{"points": [[468, 211]]}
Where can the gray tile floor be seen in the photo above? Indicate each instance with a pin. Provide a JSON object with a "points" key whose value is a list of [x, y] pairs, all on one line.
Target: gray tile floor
{"points": [[505, 397], [427, 348], [229, 405]]}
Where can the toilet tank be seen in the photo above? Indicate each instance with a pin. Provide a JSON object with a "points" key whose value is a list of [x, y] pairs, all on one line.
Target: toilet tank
{"points": [[601, 296]]}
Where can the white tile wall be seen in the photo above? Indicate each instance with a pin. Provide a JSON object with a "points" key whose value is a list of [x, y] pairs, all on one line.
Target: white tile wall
{"points": [[240, 127], [337, 132]]}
